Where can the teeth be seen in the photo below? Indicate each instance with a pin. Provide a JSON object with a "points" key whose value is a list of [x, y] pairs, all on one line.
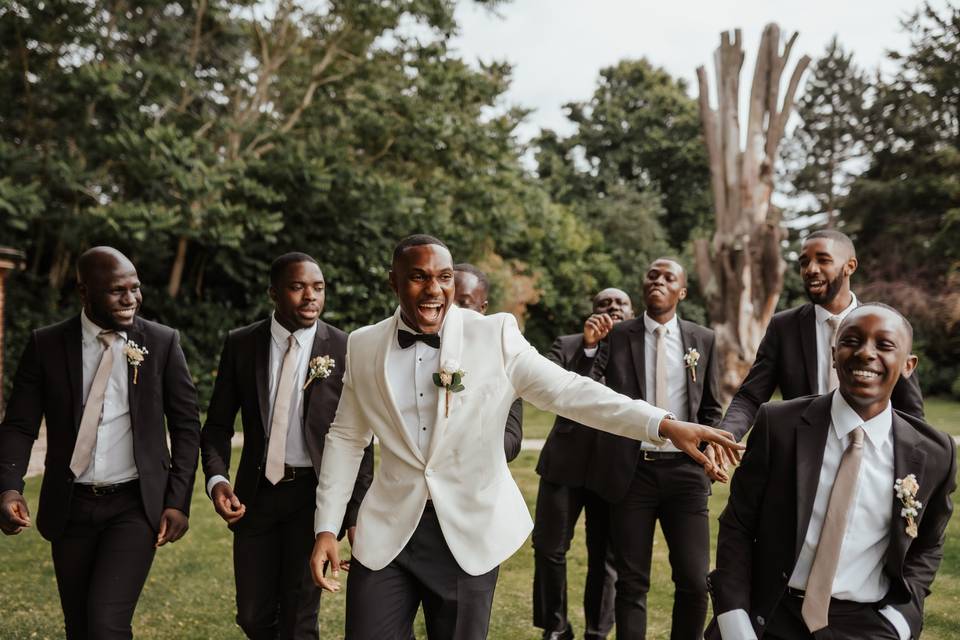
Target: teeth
{"points": [[861, 373]]}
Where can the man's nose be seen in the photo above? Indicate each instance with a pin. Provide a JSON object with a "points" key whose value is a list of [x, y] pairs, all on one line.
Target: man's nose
{"points": [[433, 286]]}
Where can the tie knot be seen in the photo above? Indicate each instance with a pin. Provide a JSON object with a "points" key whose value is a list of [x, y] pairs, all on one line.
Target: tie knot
{"points": [[292, 343], [407, 339], [833, 322], [660, 330], [107, 337], [856, 437]]}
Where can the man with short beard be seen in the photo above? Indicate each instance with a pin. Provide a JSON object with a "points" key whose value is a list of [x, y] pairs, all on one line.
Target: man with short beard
{"points": [[795, 353], [104, 380]]}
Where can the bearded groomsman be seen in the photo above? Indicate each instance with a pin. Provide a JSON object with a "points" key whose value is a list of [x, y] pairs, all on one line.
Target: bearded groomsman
{"points": [[837, 514], [794, 354], [284, 374], [561, 496], [112, 490], [472, 288], [435, 383], [671, 363]]}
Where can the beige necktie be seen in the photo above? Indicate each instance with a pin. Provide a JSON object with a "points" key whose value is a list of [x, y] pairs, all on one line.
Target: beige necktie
{"points": [[93, 409], [661, 395], [277, 448], [833, 323], [816, 601]]}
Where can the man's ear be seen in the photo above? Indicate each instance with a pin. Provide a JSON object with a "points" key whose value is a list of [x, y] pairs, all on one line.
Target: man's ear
{"points": [[683, 294], [483, 307], [909, 366], [82, 292], [272, 293], [393, 281], [851, 267]]}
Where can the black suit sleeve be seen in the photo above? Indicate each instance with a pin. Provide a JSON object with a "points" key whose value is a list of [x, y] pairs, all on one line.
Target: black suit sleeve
{"points": [[513, 430], [907, 396], [221, 416], [364, 479], [710, 411], [21, 424], [757, 387], [729, 583], [556, 353], [926, 551], [183, 424]]}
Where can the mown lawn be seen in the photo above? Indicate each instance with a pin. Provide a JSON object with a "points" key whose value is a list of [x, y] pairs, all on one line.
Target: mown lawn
{"points": [[190, 591]]}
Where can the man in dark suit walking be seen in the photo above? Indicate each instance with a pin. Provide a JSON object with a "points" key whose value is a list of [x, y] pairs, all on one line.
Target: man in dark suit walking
{"points": [[671, 363], [112, 491], [284, 374], [794, 354], [562, 495], [472, 288], [836, 518]]}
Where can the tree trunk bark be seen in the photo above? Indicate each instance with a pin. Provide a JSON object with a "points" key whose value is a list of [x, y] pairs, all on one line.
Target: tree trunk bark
{"points": [[176, 271]]}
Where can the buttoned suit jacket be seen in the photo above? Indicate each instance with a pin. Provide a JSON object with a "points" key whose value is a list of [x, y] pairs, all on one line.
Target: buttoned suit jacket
{"points": [[787, 359], [764, 524], [566, 453], [464, 472], [48, 385], [243, 383], [614, 459]]}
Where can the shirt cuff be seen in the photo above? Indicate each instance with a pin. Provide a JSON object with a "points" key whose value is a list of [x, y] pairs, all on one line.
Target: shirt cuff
{"points": [[212, 482], [653, 424], [590, 351], [735, 625], [897, 620]]}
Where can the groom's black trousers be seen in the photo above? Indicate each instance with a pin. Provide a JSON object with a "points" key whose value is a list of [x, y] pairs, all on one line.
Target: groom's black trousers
{"points": [[381, 605]]}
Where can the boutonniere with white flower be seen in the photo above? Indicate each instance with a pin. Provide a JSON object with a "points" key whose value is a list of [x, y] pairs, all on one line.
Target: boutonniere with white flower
{"points": [[135, 356], [320, 368], [449, 378], [907, 489], [690, 360]]}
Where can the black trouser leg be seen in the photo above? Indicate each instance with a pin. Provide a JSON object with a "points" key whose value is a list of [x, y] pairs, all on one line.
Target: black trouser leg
{"points": [[101, 562], [599, 592], [632, 523], [558, 508]]}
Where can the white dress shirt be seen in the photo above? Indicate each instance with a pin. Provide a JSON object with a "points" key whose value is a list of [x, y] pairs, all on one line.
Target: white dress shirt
{"points": [[112, 461], [295, 452], [676, 372], [859, 576], [416, 402], [824, 347]]}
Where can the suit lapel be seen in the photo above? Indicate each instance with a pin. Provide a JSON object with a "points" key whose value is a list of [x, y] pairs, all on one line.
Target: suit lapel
{"points": [[688, 339], [319, 348], [451, 349], [73, 345], [261, 368], [383, 386], [808, 341], [638, 351], [908, 457], [811, 436], [135, 335]]}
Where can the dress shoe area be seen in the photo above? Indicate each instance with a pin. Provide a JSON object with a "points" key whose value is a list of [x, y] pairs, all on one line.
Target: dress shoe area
{"points": [[563, 634]]}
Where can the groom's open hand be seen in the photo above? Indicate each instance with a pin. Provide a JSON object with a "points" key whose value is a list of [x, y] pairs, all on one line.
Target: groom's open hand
{"points": [[326, 553], [687, 437]]}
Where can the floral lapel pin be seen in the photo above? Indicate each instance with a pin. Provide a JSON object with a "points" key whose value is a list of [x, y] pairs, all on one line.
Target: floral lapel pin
{"points": [[320, 368], [907, 489], [449, 378], [135, 356], [690, 360]]}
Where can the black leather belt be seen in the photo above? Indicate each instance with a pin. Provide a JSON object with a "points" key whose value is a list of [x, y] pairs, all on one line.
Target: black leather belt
{"points": [[796, 593], [106, 489], [653, 456], [292, 473]]}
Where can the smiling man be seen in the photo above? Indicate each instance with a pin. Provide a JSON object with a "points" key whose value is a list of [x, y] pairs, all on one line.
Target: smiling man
{"points": [[836, 518], [434, 383], [112, 490], [284, 375]]}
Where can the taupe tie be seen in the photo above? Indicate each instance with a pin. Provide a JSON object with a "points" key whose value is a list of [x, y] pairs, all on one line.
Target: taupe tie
{"points": [[661, 395], [277, 448], [816, 600], [833, 323], [93, 409]]}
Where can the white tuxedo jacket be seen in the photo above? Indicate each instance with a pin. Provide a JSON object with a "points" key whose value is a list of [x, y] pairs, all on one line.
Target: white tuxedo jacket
{"points": [[480, 508]]}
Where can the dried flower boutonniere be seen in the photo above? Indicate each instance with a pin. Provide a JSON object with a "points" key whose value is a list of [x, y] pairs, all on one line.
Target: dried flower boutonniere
{"points": [[320, 368], [907, 489], [449, 378], [135, 356], [690, 360]]}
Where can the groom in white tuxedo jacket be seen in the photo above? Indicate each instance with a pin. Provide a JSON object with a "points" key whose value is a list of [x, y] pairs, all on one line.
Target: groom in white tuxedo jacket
{"points": [[443, 511]]}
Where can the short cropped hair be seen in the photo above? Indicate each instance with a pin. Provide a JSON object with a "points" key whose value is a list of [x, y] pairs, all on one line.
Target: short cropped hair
{"points": [[279, 266], [836, 236], [416, 240], [881, 305], [466, 267]]}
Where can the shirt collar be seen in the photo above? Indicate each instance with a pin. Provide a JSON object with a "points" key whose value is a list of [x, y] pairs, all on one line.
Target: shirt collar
{"points": [[304, 337], [672, 325], [845, 420], [90, 329], [823, 315]]}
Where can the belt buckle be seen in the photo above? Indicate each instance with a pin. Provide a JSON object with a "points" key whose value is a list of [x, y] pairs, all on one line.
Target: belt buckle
{"points": [[648, 455], [99, 490], [289, 474]]}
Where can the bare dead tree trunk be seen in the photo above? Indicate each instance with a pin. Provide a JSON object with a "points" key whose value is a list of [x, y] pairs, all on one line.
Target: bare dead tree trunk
{"points": [[741, 268]]}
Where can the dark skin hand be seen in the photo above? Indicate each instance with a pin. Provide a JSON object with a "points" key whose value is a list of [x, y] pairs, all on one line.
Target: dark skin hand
{"points": [[610, 306], [173, 526], [226, 502], [14, 514]]}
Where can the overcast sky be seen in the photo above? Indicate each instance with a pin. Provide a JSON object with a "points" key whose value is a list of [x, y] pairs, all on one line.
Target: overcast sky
{"points": [[557, 47]]}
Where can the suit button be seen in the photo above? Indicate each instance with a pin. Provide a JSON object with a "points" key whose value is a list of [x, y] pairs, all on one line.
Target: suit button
{"points": [[761, 621], [428, 472], [784, 576]]}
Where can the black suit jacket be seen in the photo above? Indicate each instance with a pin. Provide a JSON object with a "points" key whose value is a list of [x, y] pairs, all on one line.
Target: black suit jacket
{"points": [[765, 521], [615, 458], [787, 358], [49, 384], [566, 452], [243, 383], [513, 430]]}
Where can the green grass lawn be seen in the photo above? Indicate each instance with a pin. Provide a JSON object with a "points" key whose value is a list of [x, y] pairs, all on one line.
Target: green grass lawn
{"points": [[190, 590]]}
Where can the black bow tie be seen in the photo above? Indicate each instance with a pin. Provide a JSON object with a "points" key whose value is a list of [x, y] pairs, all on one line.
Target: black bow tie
{"points": [[407, 339]]}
